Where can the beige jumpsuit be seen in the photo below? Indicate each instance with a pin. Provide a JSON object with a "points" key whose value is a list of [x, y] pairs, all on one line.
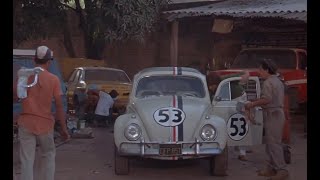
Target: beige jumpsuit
{"points": [[273, 116]]}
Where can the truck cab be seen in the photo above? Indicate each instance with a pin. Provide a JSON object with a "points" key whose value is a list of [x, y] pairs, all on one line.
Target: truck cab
{"points": [[292, 66]]}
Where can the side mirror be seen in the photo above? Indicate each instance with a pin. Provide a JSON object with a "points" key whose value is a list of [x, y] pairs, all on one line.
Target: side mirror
{"points": [[82, 84], [217, 98]]}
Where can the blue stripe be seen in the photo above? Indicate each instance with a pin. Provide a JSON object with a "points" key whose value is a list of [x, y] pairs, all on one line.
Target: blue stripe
{"points": [[179, 71], [180, 126]]}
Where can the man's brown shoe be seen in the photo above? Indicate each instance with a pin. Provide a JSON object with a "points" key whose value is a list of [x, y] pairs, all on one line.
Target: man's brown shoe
{"points": [[242, 158], [280, 175], [266, 173]]}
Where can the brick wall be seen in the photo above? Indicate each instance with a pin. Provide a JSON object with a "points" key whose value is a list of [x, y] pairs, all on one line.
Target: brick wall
{"points": [[195, 47]]}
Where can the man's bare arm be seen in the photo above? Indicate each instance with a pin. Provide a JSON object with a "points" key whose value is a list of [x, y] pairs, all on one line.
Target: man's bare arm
{"points": [[60, 114]]}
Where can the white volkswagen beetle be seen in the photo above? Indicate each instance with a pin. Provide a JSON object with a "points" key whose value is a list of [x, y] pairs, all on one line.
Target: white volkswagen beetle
{"points": [[170, 117]]}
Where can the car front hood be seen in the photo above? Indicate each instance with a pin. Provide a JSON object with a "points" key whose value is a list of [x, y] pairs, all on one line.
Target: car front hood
{"points": [[148, 111]]}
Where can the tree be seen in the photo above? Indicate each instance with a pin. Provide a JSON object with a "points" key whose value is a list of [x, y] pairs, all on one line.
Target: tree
{"points": [[101, 21]]}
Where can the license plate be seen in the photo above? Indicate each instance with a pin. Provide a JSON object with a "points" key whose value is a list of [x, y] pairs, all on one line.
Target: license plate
{"points": [[170, 149]]}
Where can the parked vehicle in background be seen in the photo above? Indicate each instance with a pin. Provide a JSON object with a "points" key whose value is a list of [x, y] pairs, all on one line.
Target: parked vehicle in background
{"points": [[292, 64], [103, 78], [67, 65]]}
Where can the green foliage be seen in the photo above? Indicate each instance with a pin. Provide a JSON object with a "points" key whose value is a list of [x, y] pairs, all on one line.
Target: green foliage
{"points": [[102, 21], [36, 19]]}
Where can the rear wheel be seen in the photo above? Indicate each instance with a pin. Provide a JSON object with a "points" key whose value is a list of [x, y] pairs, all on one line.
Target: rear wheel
{"points": [[121, 164], [219, 164]]}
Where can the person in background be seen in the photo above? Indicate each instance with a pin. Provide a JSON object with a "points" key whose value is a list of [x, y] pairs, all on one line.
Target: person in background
{"points": [[286, 127], [91, 103], [36, 121], [103, 111], [272, 102]]}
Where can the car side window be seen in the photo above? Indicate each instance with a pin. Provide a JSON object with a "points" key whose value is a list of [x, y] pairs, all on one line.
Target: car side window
{"points": [[77, 76], [73, 74], [224, 93], [303, 61], [80, 75]]}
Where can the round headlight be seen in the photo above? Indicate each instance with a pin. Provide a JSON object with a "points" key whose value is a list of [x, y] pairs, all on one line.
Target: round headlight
{"points": [[132, 132], [208, 133]]}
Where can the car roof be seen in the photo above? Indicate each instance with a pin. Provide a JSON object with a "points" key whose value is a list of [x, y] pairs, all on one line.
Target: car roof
{"points": [[152, 69], [167, 71], [98, 68], [23, 52], [272, 49]]}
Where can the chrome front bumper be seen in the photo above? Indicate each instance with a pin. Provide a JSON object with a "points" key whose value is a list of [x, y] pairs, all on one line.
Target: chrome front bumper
{"points": [[194, 148]]}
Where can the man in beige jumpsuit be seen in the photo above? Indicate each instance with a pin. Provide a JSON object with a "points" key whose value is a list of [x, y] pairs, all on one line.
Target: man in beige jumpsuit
{"points": [[273, 115]]}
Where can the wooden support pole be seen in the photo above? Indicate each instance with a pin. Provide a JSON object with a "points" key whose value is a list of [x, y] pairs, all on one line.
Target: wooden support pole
{"points": [[174, 43]]}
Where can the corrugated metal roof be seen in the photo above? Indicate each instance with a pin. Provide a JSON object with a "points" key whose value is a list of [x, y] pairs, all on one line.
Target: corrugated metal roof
{"points": [[189, 1], [290, 9]]}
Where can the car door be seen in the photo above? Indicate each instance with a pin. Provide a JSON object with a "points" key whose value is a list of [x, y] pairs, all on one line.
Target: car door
{"points": [[241, 131]]}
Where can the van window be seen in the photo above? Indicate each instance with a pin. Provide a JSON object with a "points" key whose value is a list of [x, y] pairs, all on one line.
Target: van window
{"points": [[224, 93]]}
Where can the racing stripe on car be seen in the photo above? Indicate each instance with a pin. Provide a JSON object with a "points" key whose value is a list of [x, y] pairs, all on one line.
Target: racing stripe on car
{"points": [[179, 71], [174, 104], [180, 126], [174, 129], [175, 71]]}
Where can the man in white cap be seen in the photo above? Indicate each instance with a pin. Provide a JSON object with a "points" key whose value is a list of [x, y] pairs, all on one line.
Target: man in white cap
{"points": [[36, 121]]}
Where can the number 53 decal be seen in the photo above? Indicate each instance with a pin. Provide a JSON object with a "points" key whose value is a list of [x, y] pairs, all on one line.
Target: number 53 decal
{"points": [[169, 116], [237, 127]]}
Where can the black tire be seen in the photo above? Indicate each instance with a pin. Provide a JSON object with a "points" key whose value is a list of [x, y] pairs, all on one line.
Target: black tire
{"points": [[219, 164], [121, 164]]}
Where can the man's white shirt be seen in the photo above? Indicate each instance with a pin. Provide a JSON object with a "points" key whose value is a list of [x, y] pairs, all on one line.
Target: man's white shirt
{"points": [[104, 104]]}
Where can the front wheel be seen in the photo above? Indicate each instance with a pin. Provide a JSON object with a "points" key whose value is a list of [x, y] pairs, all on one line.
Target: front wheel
{"points": [[121, 164], [219, 164]]}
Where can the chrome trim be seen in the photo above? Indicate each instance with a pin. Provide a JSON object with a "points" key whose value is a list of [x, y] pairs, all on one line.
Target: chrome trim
{"points": [[193, 150], [197, 146], [142, 146]]}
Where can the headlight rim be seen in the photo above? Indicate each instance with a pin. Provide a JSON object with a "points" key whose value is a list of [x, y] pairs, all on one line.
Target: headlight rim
{"points": [[126, 130], [201, 131]]}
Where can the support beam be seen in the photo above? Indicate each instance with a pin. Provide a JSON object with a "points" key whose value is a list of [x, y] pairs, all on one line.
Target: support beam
{"points": [[174, 43]]}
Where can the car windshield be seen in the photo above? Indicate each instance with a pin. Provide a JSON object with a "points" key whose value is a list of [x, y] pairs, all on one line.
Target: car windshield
{"points": [[285, 59], [106, 75], [170, 85]]}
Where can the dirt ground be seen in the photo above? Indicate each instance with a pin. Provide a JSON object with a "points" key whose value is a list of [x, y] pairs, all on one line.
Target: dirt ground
{"points": [[92, 159]]}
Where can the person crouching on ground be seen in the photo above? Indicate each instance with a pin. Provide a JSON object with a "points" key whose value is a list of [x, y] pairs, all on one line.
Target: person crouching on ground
{"points": [[103, 112]]}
